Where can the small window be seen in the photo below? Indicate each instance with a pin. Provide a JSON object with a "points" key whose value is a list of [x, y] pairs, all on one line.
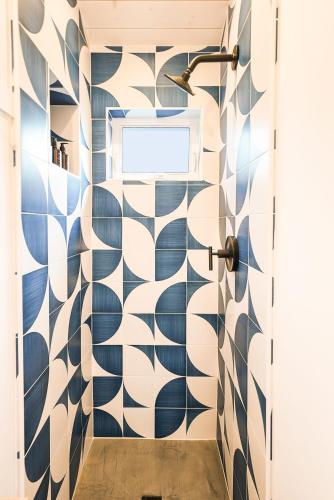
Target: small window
{"points": [[155, 144]]}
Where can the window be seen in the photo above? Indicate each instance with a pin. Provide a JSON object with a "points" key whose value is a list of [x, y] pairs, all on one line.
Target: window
{"points": [[155, 144]]}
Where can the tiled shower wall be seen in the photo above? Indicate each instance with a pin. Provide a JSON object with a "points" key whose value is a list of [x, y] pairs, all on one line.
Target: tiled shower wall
{"points": [[155, 302], [244, 407], [55, 260]]}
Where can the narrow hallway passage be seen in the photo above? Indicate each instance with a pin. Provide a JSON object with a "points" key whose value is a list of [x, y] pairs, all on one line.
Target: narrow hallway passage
{"points": [[131, 469]]}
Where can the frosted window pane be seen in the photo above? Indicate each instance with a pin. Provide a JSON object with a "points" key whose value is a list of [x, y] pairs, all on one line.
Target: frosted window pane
{"points": [[155, 149]]}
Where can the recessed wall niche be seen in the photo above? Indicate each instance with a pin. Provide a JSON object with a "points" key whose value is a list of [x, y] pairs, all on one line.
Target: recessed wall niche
{"points": [[64, 124]]}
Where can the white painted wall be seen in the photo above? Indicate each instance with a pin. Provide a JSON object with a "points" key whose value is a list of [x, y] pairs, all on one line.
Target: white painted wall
{"points": [[153, 22], [303, 442], [8, 312]]}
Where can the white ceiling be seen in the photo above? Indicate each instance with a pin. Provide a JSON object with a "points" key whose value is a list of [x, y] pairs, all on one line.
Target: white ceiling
{"points": [[153, 22]]}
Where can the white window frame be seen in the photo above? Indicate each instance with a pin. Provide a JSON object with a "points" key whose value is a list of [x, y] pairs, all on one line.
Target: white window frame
{"points": [[114, 146]]}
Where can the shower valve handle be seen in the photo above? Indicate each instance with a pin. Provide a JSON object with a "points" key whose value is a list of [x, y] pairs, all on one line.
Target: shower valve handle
{"points": [[230, 253]]}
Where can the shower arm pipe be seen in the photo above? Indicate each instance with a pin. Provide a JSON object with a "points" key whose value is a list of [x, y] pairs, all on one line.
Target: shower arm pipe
{"points": [[214, 57]]}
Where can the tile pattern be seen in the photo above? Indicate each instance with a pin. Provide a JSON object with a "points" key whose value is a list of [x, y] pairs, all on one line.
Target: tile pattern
{"points": [[55, 258], [246, 210], [155, 302]]}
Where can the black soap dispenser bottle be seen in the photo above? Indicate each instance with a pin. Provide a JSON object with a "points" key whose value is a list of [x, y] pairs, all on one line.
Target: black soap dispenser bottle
{"points": [[54, 149], [64, 156]]}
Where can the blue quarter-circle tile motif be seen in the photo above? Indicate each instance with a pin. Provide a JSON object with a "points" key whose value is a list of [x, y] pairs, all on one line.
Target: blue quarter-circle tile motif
{"points": [[192, 414], [192, 288], [194, 188], [172, 394], [241, 335], [148, 92], [73, 193], [173, 299], [192, 371], [241, 417], [43, 489], [109, 230], [75, 316], [34, 347], [75, 386], [35, 230], [110, 358], [129, 211], [245, 43], [128, 287], [73, 70], [262, 403], [34, 402], [167, 421], [212, 90], [105, 300], [105, 425], [73, 272], [76, 430], [168, 197], [74, 468], [34, 288], [172, 326], [55, 488], [61, 41], [74, 348], [99, 136], [252, 259], [192, 402], [168, 263], [105, 389], [31, 14], [105, 204], [104, 66], [173, 235], [33, 192], [34, 123], [243, 152], [129, 402], [37, 459], [148, 350], [242, 376], [173, 66], [192, 243], [128, 431], [101, 99], [239, 475], [243, 240], [241, 279], [242, 179], [72, 38], [129, 275], [173, 358], [105, 262], [148, 57], [75, 239]]}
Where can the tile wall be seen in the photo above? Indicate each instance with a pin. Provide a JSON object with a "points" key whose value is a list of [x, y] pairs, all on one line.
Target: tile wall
{"points": [[157, 314], [155, 302], [55, 256], [246, 204]]}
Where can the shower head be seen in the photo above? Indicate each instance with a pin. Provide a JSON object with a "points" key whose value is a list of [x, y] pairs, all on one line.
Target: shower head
{"points": [[182, 81]]}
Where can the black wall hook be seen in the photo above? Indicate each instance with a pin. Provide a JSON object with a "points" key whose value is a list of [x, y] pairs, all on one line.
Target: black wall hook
{"points": [[230, 253]]}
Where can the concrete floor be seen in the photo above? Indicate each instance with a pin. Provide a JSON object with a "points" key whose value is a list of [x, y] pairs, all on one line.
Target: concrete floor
{"points": [[127, 469]]}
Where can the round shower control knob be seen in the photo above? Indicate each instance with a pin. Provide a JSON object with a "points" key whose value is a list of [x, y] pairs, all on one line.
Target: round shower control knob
{"points": [[230, 253]]}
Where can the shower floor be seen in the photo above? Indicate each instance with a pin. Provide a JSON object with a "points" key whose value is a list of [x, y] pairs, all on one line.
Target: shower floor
{"points": [[127, 469]]}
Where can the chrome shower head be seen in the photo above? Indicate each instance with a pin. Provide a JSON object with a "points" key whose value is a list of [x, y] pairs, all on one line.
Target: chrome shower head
{"points": [[182, 81]]}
